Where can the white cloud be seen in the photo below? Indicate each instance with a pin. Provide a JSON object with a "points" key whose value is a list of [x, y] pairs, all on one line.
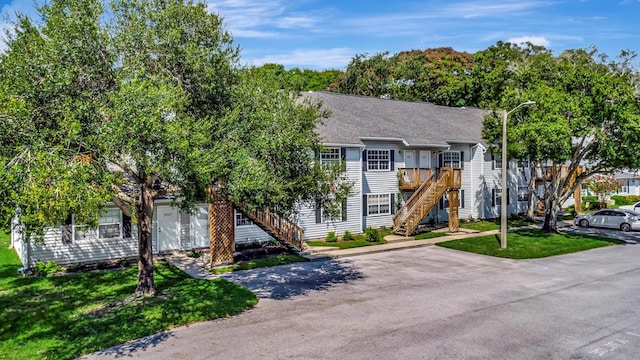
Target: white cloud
{"points": [[491, 8], [309, 58], [535, 40]]}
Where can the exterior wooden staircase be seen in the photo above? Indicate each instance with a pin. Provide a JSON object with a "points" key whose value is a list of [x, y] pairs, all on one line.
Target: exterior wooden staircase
{"points": [[277, 227], [419, 205]]}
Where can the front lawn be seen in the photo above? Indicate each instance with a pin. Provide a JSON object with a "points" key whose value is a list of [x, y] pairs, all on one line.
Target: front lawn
{"points": [[488, 225], [529, 244], [63, 317]]}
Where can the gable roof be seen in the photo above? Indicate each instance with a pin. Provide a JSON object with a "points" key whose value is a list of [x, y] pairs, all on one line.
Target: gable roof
{"points": [[356, 118]]}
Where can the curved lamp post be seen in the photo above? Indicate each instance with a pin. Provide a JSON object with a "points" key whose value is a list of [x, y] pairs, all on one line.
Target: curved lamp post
{"points": [[503, 191]]}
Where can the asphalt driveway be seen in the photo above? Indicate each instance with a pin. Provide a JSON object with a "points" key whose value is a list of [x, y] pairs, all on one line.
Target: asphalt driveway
{"points": [[424, 303]]}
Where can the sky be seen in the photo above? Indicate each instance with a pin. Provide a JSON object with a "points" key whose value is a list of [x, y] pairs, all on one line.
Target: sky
{"points": [[327, 34]]}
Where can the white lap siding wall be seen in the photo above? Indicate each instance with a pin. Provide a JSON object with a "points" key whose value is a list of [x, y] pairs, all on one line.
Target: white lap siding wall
{"points": [[191, 229], [380, 182], [315, 227], [492, 181]]}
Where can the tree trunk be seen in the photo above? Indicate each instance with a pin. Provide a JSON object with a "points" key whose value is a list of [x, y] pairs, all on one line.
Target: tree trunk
{"points": [[144, 213], [531, 185], [551, 218]]}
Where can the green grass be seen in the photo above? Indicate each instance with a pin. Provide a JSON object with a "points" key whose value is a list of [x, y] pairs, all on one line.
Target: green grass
{"points": [[529, 244], [63, 317], [488, 225], [260, 263], [346, 244], [429, 235]]}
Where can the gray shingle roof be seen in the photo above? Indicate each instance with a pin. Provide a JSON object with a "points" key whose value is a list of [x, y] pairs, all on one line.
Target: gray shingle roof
{"points": [[356, 117]]}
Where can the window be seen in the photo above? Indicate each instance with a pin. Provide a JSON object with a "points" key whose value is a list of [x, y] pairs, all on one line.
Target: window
{"points": [[523, 194], [330, 156], [444, 201], [378, 204], [109, 226], [242, 219], [379, 160], [497, 197], [523, 164], [322, 217], [451, 159], [497, 162]]}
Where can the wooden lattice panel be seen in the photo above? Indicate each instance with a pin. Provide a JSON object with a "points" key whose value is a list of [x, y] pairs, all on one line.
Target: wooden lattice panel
{"points": [[221, 232], [454, 221]]}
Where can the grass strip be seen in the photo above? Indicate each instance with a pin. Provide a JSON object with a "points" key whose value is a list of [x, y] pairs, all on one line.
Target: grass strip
{"points": [[529, 244], [430, 235], [260, 263], [346, 244]]}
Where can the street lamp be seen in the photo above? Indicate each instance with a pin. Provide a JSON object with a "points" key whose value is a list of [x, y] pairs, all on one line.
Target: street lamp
{"points": [[503, 196]]}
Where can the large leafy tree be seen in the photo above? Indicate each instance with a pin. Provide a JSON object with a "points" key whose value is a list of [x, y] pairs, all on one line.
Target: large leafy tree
{"points": [[440, 76], [586, 116], [150, 104], [296, 79]]}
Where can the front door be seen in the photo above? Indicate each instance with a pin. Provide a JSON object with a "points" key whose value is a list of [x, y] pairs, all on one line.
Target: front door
{"points": [[425, 159], [168, 228], [410, 159]]}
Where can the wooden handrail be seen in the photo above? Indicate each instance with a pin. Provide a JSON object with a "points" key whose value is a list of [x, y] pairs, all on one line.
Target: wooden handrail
{"points": [[280, 228], [425, 198]]}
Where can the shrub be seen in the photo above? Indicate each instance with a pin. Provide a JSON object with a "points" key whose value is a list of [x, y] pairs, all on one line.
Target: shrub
{"points": [[348, 236], [371, 234], [514, 216], [625, 200], [50, 267], [431, 221], [331, 237], [195, 254]]}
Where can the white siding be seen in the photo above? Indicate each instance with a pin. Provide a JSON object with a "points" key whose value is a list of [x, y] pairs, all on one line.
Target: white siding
{"points": [[381, 182], [85, 250], [247, 234], [307, 215], [492, 180]]}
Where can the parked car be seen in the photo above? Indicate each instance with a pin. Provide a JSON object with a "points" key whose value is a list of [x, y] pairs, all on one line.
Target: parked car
{"points": [[622, 219], [634, 207]]}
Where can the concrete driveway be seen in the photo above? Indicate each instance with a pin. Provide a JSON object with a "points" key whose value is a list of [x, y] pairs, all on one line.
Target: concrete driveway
{"points": [[424, 303]]}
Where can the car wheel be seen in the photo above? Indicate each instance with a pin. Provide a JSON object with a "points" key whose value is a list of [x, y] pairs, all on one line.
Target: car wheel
{"points": [[625, 227], [583, 223]]}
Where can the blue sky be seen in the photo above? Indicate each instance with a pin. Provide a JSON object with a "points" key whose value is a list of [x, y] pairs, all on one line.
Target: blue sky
{"points": [[321, 34]]}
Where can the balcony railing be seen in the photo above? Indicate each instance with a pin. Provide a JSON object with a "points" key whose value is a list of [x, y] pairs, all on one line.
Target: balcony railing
{"points": [[412, 178]]}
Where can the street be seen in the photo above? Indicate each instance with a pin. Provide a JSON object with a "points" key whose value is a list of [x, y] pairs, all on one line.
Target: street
{"points": [[424, 303]]}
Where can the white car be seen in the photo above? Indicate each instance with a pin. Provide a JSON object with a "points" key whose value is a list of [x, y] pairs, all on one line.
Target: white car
{"points": [[624, 220], [634, 207]]}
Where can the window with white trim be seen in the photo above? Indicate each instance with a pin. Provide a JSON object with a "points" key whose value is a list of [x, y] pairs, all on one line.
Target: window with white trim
{"points": [[523, 194], [378, 204], [242, 219], [110, 225], [330, 156], [451, 159], [379, 160], [497, 197], [444, 200], [523, 164]]}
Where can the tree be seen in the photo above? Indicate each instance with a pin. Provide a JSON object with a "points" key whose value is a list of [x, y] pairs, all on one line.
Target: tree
{"points": [[295, 79], [586, 114], [440, 76], [603, 186], [151, 104]]}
